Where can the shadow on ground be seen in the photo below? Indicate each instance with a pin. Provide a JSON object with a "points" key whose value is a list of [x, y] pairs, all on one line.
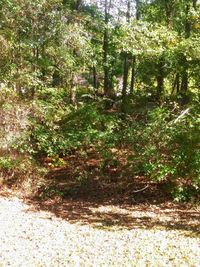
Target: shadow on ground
{"points": [[140, 205]]}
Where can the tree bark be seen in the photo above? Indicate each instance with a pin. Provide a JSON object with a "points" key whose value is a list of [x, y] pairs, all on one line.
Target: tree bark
{"points": [[176, 84], [194, 2], [133, 72], [184, 78], [126, 63], [94, 72], [184, 72], [138, 11], [169, 11], [107, 89], [125, 76], [73, 91], [160, 78]]}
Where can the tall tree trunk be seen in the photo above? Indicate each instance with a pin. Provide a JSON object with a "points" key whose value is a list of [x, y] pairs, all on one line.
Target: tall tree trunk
{"points": [[138, 11], [169, 12], [194, 2], [107, 89], [94, 73], [125, 76], [105, 64], [73, 91], [184, 72], [126, 63], [176, 84], [73, 81], [160, 78], [184, 78], [133, 71]]}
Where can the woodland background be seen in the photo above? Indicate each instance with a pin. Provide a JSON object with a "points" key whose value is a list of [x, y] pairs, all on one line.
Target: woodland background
{"points": [[97, 93]]}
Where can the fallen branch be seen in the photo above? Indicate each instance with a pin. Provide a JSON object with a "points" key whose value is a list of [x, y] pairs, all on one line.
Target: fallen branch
{"points": [[182, 114], [140, 190]]}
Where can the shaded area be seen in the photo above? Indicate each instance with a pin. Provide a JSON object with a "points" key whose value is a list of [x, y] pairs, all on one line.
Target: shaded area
{"points": [[141, 204], [168, 215]]}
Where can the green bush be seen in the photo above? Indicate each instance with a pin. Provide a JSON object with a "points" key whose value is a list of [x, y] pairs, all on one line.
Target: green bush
{"points": [[55, 129], [7, 163], [167, 149], [162, 144]]}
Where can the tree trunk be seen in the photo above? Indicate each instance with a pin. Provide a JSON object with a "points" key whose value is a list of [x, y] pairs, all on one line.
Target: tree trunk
{"points": [[160, 78], [194, 2], [133, 72], [138, 11], [73, 91], [126, 63], [105, 64], [125, 76], [94, 72], [176, 84], [169, 12], [184, 79], [107, 90], [184, 73]]}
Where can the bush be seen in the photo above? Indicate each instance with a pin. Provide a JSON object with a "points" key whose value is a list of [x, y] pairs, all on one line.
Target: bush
{"points": [[167, 149], [7, 163], [161, 143], [55, 129]]}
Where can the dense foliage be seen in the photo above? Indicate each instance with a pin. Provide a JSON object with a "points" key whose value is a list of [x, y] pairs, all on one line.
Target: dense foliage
{"points": [[120, 78]]}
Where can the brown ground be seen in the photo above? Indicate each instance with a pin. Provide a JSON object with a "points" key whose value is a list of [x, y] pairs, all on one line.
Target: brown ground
{"points": [[141, 204], [97, 225]]}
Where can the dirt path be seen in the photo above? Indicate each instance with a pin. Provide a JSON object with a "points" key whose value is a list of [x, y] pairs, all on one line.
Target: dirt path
{"points": [[39, 238]]}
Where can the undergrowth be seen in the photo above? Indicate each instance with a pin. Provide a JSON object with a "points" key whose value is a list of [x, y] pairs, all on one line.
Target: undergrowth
{"points": [[158, 142]]}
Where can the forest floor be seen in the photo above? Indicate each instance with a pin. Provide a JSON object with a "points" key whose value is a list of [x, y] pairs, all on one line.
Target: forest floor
{"points": [[98, 230]]}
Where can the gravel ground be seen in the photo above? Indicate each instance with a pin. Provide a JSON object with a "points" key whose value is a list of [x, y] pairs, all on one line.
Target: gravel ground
{"points": [[30, 238]]}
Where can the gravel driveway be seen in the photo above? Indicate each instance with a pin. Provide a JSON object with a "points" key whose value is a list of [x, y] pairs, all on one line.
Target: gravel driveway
{"points": [[30, 238]]}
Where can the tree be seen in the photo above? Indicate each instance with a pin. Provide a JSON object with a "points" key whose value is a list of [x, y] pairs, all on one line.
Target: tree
{"points": [[126, 64], [107, 89], [133, 72]]}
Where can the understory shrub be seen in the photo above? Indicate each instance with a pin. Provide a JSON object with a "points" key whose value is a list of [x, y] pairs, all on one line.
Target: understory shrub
{"points": [[161, 143], [166, 149], [56, 129]]}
